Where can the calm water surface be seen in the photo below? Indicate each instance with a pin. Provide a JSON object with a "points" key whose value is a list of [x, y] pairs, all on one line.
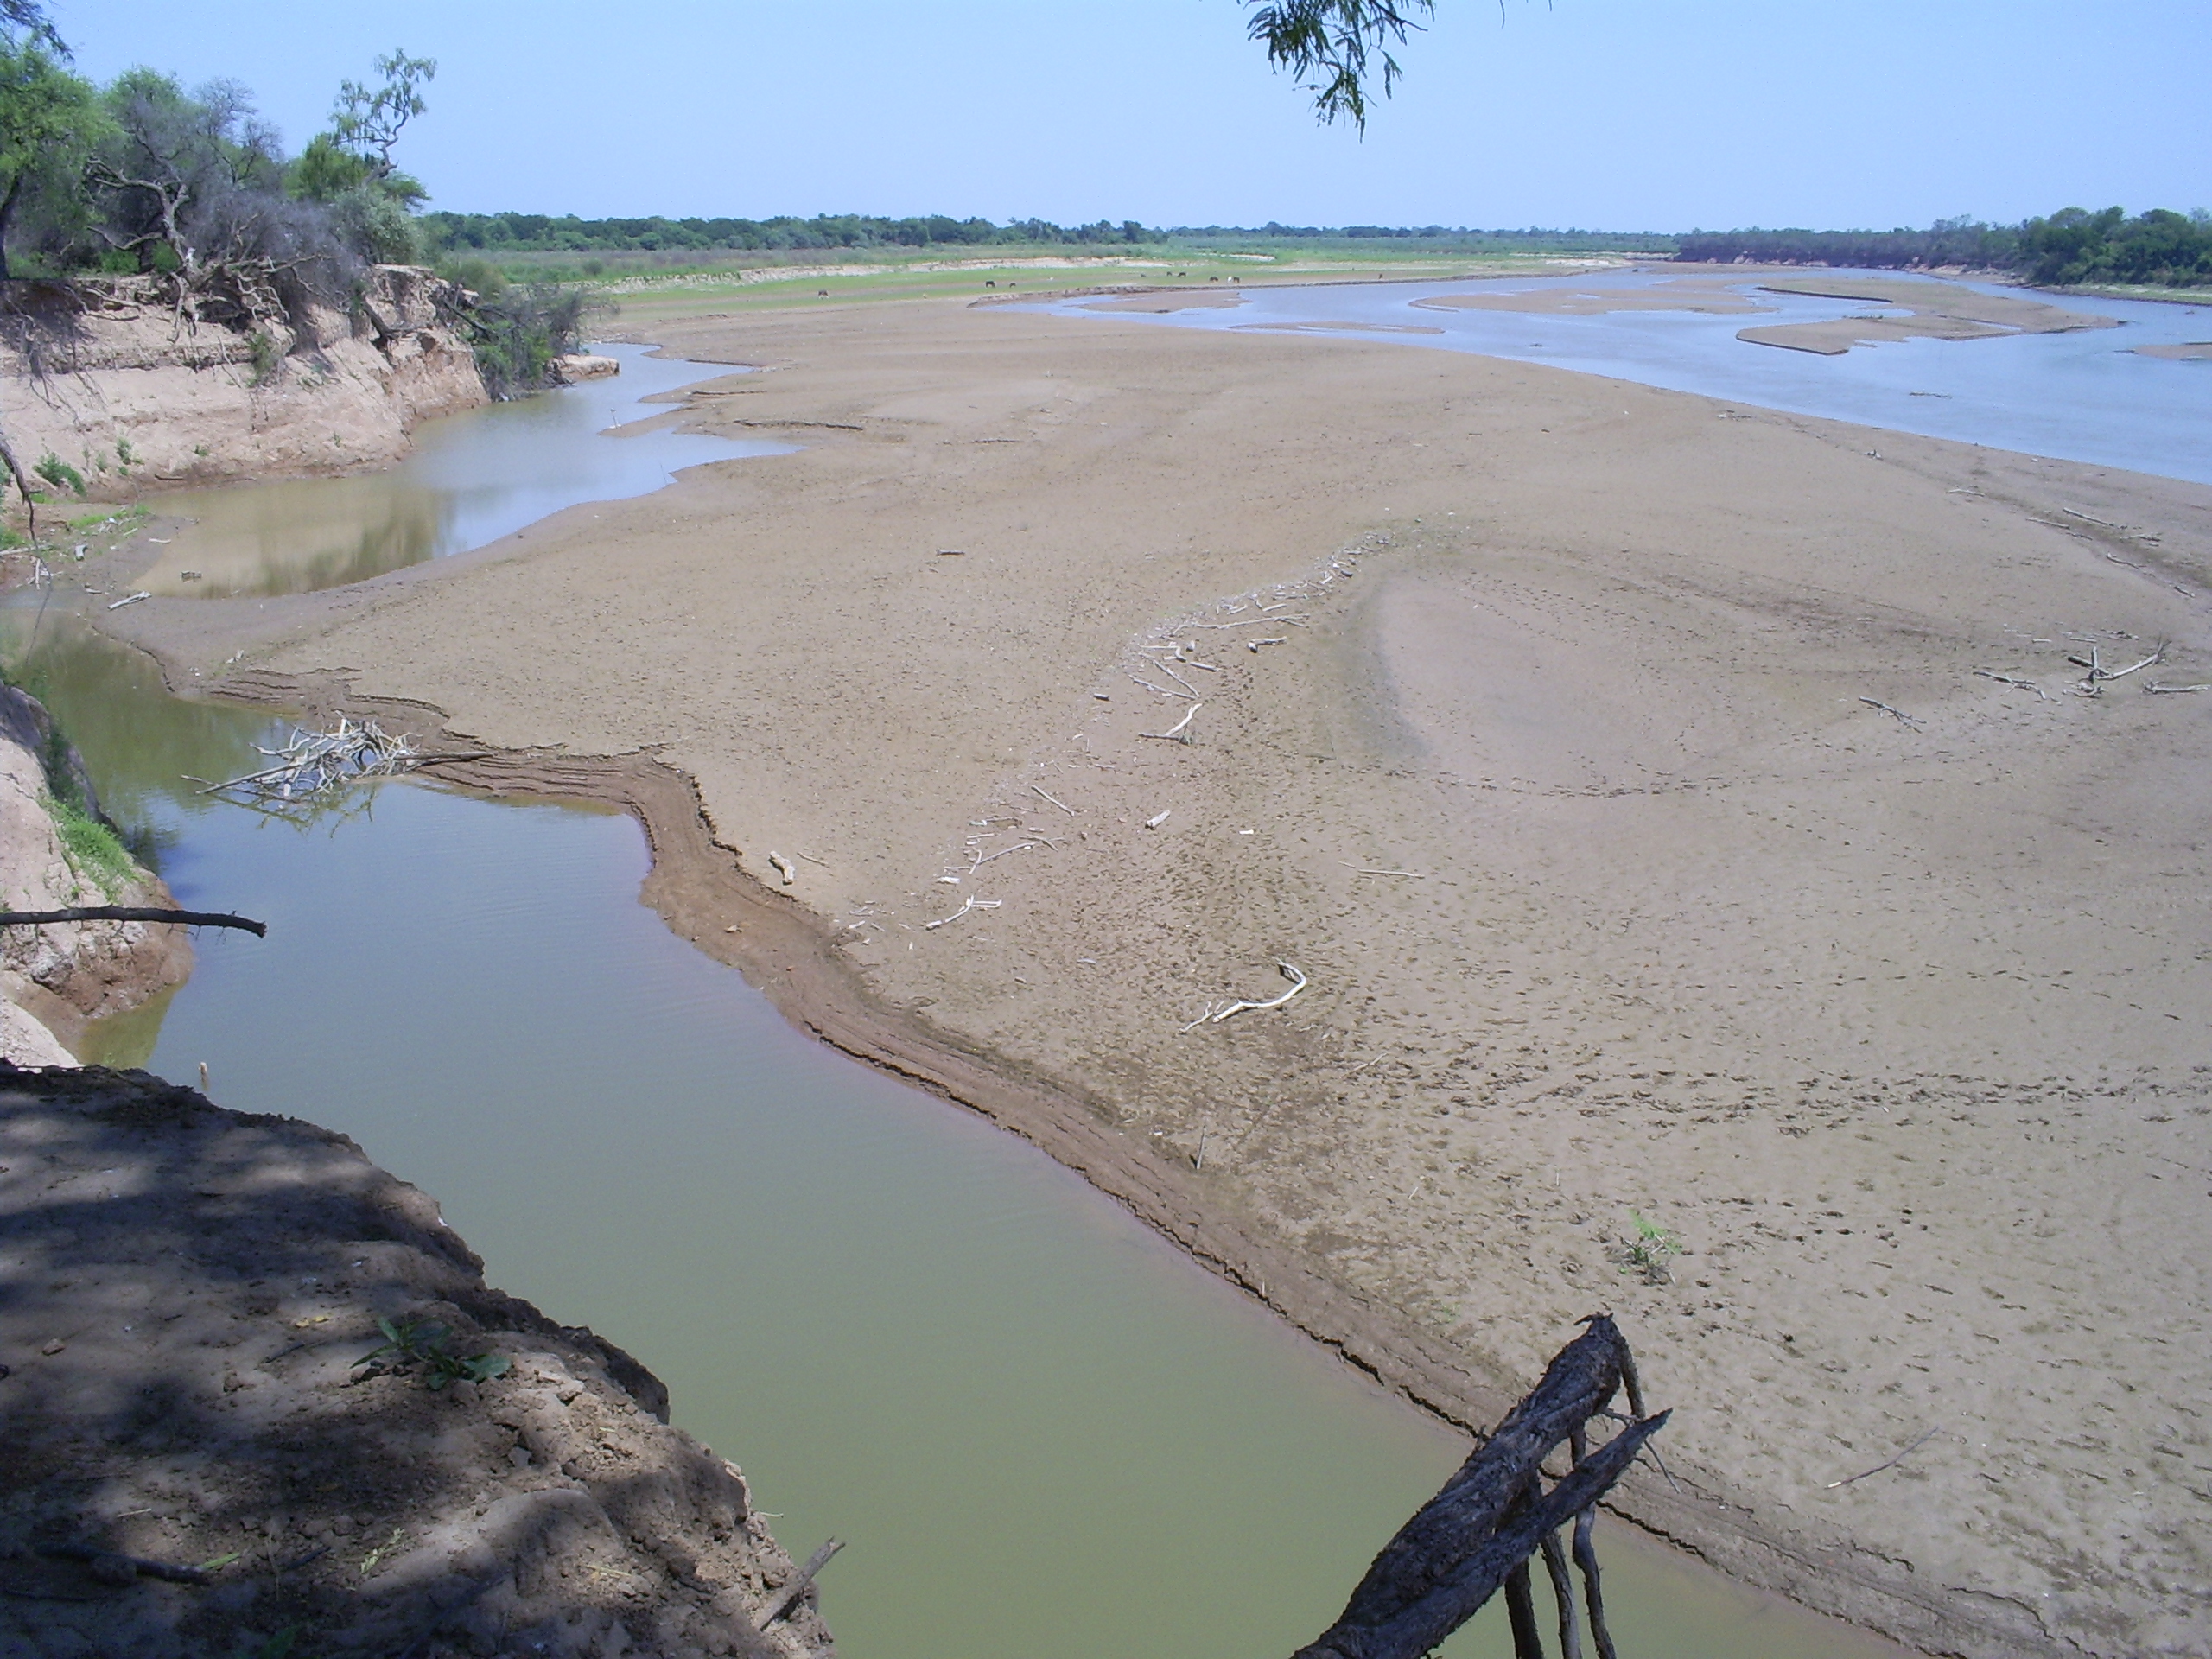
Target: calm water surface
{"points": [[1046, 1433], [2085, 395], [469, 480]]}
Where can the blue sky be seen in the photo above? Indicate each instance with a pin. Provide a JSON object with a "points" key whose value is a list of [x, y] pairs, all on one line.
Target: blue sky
{"points": [[1611, 114]]}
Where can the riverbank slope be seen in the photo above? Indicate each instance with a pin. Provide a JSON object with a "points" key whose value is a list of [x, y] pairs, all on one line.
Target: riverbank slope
{"points": [[199, 1466], [57, 977], [1692, 925], [110, 387]]}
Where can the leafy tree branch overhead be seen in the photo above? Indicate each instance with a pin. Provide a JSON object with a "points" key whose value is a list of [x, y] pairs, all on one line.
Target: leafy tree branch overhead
{"points": [[1338, 49]]}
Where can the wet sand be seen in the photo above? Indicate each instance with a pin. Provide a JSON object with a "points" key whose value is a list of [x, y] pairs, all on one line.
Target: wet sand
{"points": [[2193, 350], [1619, 901], [1930, 311]]}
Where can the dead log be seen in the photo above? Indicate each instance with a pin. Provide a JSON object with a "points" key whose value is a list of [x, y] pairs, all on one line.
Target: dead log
{"points": [[130, 913], [787, 1597], [1478, 1533]]}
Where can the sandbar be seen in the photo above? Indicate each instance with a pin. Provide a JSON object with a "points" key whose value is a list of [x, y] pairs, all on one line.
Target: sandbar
{"points": [[1632, 787], [1931, 310], [2194, 350]]}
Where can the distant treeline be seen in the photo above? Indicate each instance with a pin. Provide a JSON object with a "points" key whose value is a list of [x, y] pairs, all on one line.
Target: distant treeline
{"points": [[548, 233], [497, 233], [1456, 238], [2158, 248]]}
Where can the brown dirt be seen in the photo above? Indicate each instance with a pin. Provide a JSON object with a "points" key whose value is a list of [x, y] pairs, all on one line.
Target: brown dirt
{"points": [[2194, 351], [1618, 900], [188, 1291]]}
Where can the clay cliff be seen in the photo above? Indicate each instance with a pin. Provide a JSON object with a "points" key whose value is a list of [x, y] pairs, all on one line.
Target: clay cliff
{"points": [[131, 389]]}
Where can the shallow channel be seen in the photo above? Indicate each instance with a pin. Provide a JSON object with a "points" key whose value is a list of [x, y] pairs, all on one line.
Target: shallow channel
{"points": [[2085, 395], [469, 480], [1044, 1433]]}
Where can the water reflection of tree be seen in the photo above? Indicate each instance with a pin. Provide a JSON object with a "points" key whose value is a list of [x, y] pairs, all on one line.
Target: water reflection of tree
{"points": [[137, 740], [306, 535]]}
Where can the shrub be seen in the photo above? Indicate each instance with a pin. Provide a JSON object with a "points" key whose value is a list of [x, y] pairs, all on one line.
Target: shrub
{"points": [[60, 473]]}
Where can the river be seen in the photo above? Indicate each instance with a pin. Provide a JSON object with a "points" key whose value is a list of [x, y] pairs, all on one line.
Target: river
{"points": [[1044, 1433], [2086, 396]]}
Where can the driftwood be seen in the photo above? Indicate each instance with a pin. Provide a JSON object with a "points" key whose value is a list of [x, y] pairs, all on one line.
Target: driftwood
{"points": [[130, 913], [1477, 1535], [312, 762], [1214, 1016], [791, 1592]]}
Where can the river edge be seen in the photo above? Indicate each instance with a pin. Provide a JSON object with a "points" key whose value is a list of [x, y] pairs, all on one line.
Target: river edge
{"points": [[788, 951], [789, 954], [489, 1469]]}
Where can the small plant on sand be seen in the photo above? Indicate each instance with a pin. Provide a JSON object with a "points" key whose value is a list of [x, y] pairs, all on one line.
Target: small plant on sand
{"points": [[428, 1344], [1651, 1250]]}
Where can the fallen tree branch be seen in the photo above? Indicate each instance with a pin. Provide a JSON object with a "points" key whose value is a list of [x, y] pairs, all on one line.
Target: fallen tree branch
{"points": [[2025, 685], [112, 1567], [2159, 689], [1899, 714], [1055, 800], [1480, 1530], [130, 913], [783, 868], [791, 1593], [1878, 1467]]}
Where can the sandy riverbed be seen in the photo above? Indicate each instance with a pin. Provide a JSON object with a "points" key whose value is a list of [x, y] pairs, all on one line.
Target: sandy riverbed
{"points": [[1617, 898]]}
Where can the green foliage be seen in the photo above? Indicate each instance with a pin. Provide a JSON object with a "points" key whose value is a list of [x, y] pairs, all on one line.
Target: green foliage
{"points": [[2159, 248], [368, 121], [325, 170], [95, 852], [475, 273], [427, 1344], [375, 225], [460, 233], [518, 332], [1651, 1249], [1325, 44], [60, 473], [51, 122], [262, 353]]}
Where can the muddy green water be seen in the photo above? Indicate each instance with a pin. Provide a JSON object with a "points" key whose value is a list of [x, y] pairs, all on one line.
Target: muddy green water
{"points": [[1044, 1433]]}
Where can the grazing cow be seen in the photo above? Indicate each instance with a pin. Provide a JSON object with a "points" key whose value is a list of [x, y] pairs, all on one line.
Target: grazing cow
{"points": [[820, 293]]}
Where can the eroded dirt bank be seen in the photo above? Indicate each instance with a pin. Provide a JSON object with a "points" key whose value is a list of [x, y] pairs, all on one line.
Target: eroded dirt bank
{"points": [[197, 1465], [115, 380], [1548, 727], [56, 977]]}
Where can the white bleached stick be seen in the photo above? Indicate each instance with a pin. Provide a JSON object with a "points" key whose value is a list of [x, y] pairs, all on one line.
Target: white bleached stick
{"points": [[974, 903], [1174, 733], [1063, 805], [1298, 983]]}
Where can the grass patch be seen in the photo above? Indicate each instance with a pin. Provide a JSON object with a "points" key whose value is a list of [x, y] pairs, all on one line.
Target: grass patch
{"points": [[96, 853]]}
